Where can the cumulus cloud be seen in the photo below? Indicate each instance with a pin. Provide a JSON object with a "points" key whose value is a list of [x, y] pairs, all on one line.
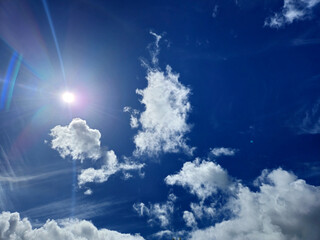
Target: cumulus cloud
{"points": [[222, 151], [159, 213], [292, 10], [189, 218], [110, 167], [284, 208], [76, 140], [164, 121], [12, 227], [202, 178], [80, 142]]}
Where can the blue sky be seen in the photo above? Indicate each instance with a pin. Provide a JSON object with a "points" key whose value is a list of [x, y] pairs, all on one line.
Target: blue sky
{"points": [[191, 119]]}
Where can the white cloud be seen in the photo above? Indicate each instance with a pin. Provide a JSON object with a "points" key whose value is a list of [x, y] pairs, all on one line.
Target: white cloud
{"points": [[163, 234], [166, 110], [77, 140], [202, 178], [110, 167], [189, 218], [284, 208], [164, 121], [200, 210], [134, 122], [311, 122], [293, 10], [154, 48], [215, 11], [14, 228], [88, 192], [157, 213], [222, 151]]}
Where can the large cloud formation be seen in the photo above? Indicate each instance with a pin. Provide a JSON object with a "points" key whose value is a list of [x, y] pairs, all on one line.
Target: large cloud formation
{"points": [[12, 227], [164, 120], [293, 10], [76, 140], [284, 208]]}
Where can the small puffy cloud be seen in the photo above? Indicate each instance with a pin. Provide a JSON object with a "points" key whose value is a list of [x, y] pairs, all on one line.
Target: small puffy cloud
{"points": [[189, 218], [222, 151], [293, 10], [12, 227], [134, 122], [88, 192], [202, 178], [110, 167], [284, 208], [76, 140], [157, 213]]}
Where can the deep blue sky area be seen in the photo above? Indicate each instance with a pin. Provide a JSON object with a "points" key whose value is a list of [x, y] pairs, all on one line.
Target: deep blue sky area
{"points": [[253, 88]]}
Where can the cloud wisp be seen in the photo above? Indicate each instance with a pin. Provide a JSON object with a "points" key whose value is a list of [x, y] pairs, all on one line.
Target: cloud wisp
{"points": [[159, 213], [292, 10], [110, 167]]}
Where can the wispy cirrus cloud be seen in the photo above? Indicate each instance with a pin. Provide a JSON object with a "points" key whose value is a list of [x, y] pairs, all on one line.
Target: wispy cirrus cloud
{"points": [[310, 121], [292, 10]]}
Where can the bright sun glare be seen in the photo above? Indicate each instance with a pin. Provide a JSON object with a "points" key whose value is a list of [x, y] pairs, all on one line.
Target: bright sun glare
{"points": [[68, 97]]}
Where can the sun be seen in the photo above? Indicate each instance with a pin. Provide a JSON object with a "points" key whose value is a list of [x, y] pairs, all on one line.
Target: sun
{"points": [[68, 97]]}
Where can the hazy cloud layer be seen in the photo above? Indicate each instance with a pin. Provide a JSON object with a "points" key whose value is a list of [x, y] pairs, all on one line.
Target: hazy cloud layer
{"points": [[202, 178], [292, 10], [284, 208], [76, 140], [14, 228]]}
